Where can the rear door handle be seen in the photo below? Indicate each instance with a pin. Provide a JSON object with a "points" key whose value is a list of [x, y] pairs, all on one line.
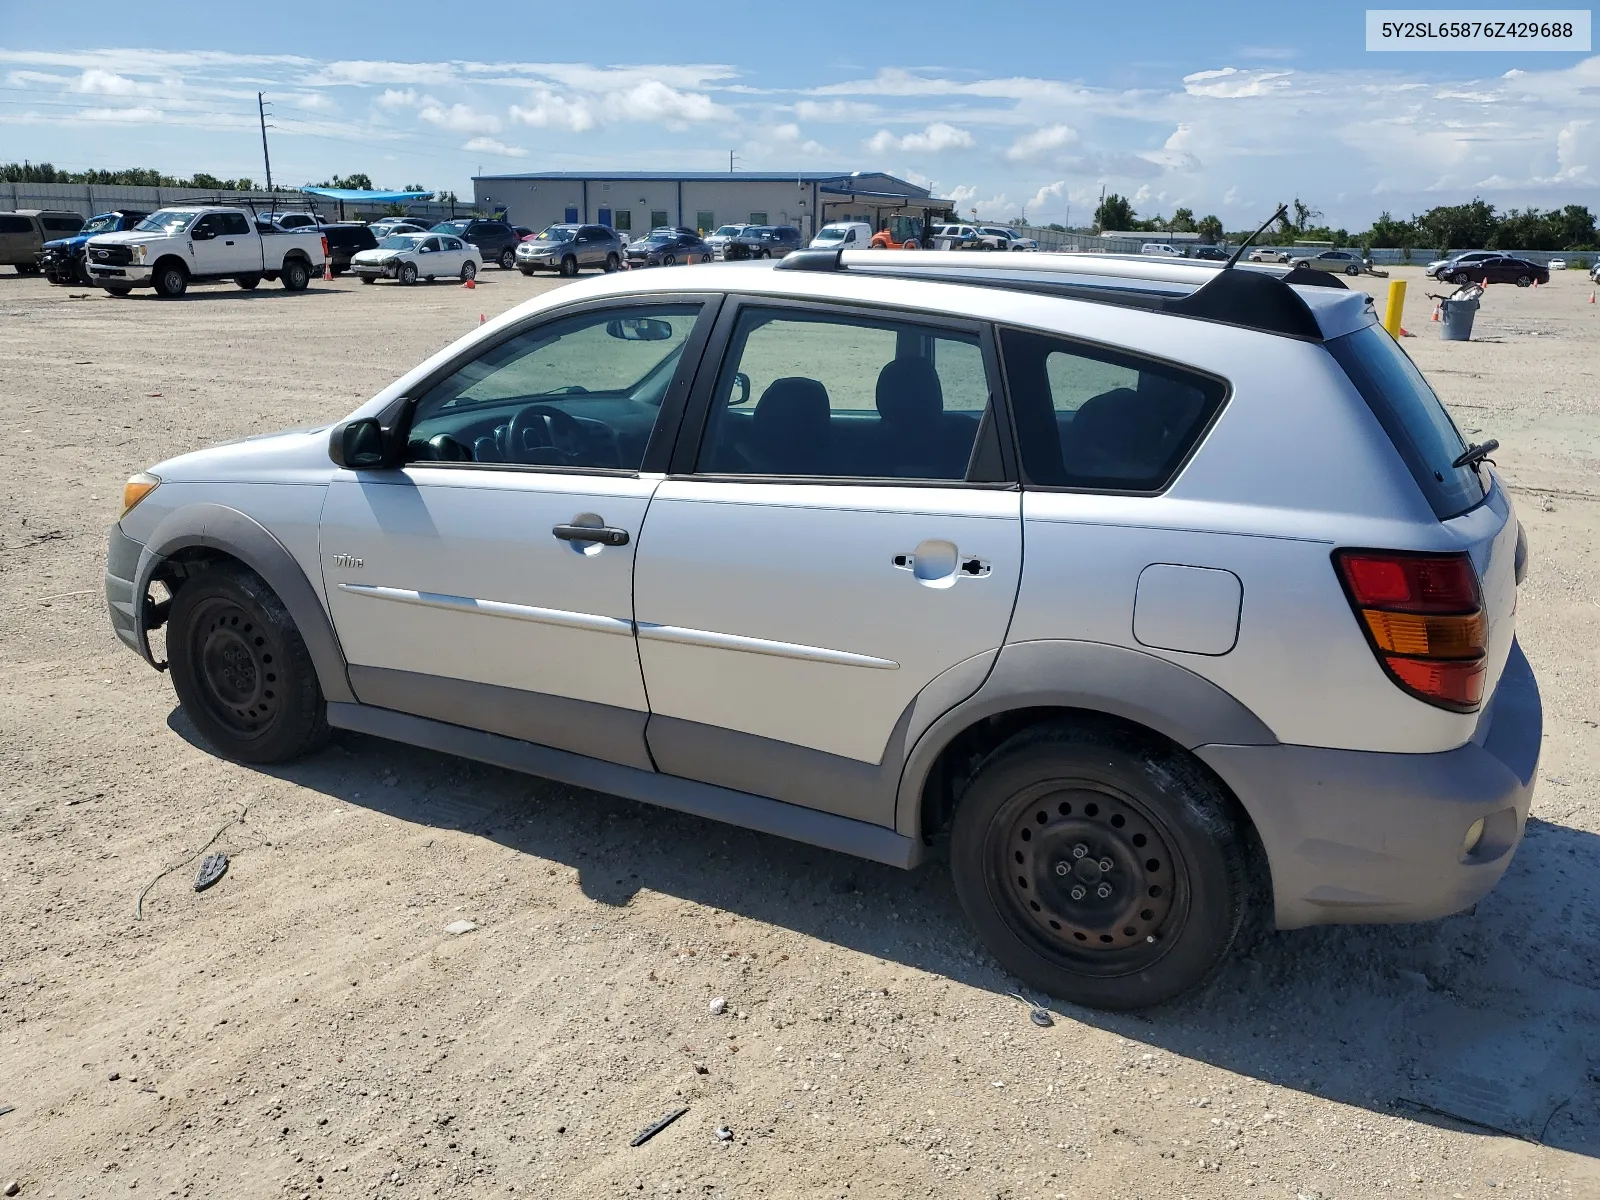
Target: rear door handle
{"points": [[606, 535]]}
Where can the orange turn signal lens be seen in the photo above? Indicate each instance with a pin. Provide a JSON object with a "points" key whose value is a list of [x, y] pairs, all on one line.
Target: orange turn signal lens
{"points": [[136, 489], [1428, 636]]}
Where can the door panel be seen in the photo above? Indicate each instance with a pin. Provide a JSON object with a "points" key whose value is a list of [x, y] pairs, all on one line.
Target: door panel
{"points": [[814, 614]]}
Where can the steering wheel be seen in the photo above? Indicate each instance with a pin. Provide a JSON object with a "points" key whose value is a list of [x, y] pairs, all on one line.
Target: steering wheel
{"points": [[550, 428]]}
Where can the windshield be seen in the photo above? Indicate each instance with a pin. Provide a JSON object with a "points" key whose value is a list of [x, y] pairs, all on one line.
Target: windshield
{"points": [[662, 237], [830, 235], [168, 220], [105, 224], [450, 226], [1413, 417], [556, 233], [727, 231], [399, 241]]}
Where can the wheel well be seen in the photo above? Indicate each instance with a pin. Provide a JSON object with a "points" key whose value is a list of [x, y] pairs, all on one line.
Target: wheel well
{"points": [[957, 764], [177, 569], [167, 260], [299, 256]]}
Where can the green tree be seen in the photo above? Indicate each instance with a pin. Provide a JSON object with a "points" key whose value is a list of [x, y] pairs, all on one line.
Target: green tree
{"points": [[1458, 226], [1182, 221], [1209, 227], [1114, 212]]}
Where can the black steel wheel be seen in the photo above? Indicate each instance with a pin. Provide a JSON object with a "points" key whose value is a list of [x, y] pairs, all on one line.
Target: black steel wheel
{"points": [[295, 276], [241, 669], [1100, 865]]}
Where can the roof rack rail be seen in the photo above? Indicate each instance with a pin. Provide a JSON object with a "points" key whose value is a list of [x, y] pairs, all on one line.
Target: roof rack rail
{"points": [[1259, 297]]}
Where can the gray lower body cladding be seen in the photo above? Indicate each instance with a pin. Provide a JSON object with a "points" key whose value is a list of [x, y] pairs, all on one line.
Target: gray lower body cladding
{"points": [[1357, 837]]}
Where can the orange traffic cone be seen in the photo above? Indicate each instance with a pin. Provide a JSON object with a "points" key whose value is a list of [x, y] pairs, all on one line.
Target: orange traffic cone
{"points": [[1591, 297], [327, 269], [482, 318], [470, 283], [1435, 316], [1404, 332]]}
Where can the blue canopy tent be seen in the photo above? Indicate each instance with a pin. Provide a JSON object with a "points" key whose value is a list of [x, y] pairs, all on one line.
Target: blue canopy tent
{"points": [[363, 194]]}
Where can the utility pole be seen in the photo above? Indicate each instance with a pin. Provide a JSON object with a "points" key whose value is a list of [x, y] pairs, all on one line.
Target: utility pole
{"points": [[731, 157], [261, 111]]}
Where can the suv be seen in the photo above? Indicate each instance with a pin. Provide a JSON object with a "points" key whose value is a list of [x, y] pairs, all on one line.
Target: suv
{"points": [[747, 542], [23, 234], [567, 249], [763, 241], [496, 240], [346, 239]]}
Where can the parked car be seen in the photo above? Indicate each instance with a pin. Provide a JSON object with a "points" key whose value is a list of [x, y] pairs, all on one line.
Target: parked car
{"points": [[64, 261], [1499, 269], [843, 235], [382, 229], [407, 257], [1007, 239], [1208, 253], [722, 235], [1161, 250], [1346, 262], [174, 247], [957, 237], [763, 241], [1594, 272], [1439, 267], [568, 249], [23, 234], [289, 220], [524, 232], [668, 247], [1556, 264], [1268, 254], [1124, 765], [496, 241], [345, 240]]}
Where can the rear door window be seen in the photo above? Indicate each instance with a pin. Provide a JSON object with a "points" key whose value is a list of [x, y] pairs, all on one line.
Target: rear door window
{"points": [[1413, 417], [1099, 420]]}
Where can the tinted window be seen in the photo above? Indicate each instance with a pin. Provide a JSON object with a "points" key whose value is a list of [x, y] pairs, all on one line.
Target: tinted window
{"points": [[1413, 417], [61, 224], [1095, 419], [585, 391], [15, 225], [838, 396], [451, 243], [232, 223]]}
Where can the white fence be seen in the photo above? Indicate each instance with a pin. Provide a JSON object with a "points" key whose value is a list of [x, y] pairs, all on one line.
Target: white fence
{"points": [[87, 199]]}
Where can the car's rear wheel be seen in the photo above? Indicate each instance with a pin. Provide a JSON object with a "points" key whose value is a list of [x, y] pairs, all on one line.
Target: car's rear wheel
{"points": [[1460, 277], [569, 267], [171, 281], [120, 291], [1524, 280], [295, 276], [508, 259], [612, 263], [241, 668], [408, 273], [469, 271], [668, 260], [248, 282], [526, 270], [1352, 270], [1100, 865]]}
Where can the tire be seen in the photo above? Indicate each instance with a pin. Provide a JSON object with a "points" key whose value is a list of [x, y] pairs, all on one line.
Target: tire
{"points": [[295, 276], [1043, 815], [369, 279], [408, 273], [27, 268], [911, 244], [1460, 277], [1524, 280], [526, 270], [612, 263], [119, 290], [569, 267], [669, 260], [248, 282], [469, 271], [241, 669], [508, 259], [171, 281], [1352, 271]]}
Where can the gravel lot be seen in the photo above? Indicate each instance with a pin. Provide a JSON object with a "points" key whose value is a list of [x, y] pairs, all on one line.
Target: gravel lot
{"points": [[308, 1028]]}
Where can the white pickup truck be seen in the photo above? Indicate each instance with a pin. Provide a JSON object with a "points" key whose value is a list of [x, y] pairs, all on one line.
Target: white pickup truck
{"points": [[171, 248]]}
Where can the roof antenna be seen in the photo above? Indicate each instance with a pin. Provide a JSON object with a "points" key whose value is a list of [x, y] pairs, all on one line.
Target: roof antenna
{"points": [[1283, 211]]}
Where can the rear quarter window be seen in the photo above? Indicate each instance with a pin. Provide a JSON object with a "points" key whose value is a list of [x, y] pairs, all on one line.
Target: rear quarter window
{"points": [[1098, 420], [9, 224], [1413, 416]]}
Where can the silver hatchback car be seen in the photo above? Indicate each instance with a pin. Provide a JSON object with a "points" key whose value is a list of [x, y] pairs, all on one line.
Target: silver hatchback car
{"points": [[747, 541], [568, 249]]}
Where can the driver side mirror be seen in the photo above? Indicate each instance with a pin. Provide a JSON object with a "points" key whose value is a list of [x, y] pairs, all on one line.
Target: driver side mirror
{"points": [[200, 234], [740, 393], [357, 445]]}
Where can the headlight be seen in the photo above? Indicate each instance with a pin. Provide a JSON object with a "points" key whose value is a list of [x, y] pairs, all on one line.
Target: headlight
{"points": [[136, 489], [138, 254]]}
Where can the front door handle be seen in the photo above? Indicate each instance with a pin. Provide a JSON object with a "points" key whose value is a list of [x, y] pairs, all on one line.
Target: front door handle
{"points": [[606, 535]]}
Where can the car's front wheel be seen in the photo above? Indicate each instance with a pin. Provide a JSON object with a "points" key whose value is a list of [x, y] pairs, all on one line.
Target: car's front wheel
{"points": [[1099, 865], [469, 271], [612, 263], [248, 282], [668, 260], [408, 273], [569, 267], [508, 259], [241, 668], [171, 281]]}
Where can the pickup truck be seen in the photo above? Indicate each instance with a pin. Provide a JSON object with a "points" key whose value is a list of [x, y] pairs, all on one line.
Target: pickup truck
{"points": [[174, 247], [64, 261]]}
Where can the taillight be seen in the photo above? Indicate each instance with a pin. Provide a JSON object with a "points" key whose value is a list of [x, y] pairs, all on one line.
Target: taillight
{"points": [[1423, 616], [324, 245]]}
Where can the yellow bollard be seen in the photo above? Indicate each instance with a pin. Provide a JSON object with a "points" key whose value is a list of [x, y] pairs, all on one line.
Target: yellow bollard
{"points": [[1397, 302]]}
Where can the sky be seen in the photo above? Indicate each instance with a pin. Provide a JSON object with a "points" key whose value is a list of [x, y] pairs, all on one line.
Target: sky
{"points": [[1024, 111]]}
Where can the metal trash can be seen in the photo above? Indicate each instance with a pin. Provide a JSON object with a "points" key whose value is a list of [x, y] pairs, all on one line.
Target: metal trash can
{"points": [[1456, 316]]}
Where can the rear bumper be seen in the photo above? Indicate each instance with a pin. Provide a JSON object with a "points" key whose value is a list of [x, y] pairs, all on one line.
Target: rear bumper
{"points": [[1354, 836]]}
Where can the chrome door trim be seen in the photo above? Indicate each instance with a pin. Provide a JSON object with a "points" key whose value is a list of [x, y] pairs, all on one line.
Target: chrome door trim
{"points": [[592, 622], [753, 645]]}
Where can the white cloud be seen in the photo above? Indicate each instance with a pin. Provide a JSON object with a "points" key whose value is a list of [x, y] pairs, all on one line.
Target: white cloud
{"points": [[1041, 142], [835, 110], [960, 194], [935, 139], [363, 72], [109, 83], [392, 98], [546, 110], [653, 100], [1052, 198], [1232, 83], [489, 145], [458, 118]]}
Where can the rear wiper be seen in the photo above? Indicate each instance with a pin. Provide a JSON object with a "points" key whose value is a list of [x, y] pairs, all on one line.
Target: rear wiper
{"points": [[1476, 452]]}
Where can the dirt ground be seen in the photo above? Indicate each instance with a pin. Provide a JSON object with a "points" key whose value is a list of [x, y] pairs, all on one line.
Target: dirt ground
{"points": [[308, 1027]]}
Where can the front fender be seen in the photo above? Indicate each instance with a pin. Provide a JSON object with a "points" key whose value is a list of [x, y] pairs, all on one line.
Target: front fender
{"points": [[229, 531]]}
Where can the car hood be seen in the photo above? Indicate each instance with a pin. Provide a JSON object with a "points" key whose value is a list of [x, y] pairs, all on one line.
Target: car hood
{"points": [[69, 243], [127, 237], [537, 247], [289, 456], [375, 255]]}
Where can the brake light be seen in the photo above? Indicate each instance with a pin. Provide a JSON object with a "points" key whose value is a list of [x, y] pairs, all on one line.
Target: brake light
{"points": [[1423, 616]]}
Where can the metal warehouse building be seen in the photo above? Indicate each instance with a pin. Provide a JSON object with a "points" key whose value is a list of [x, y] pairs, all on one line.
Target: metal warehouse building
{"points": [[636, 201]]}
